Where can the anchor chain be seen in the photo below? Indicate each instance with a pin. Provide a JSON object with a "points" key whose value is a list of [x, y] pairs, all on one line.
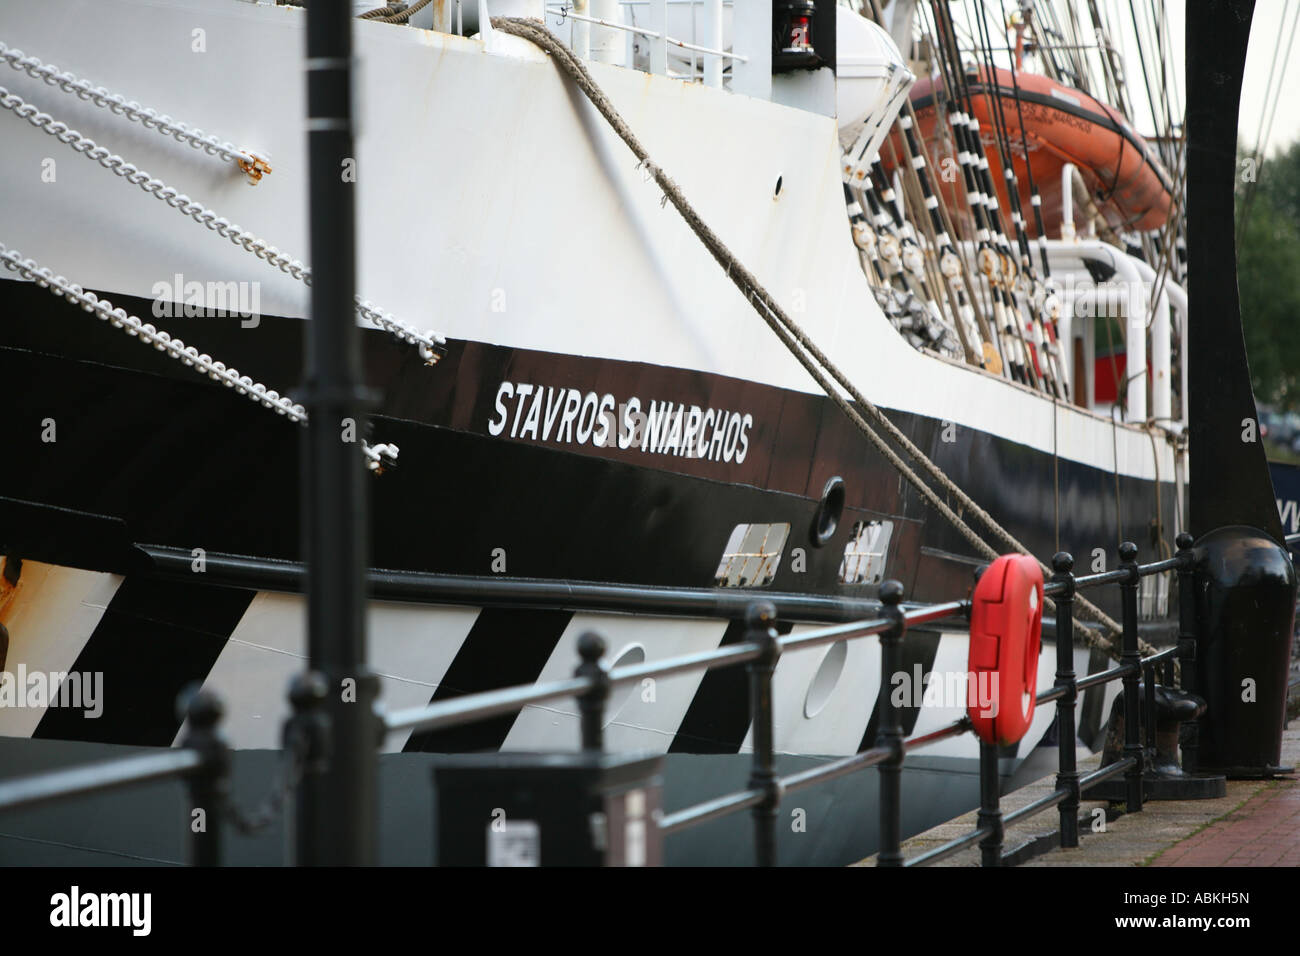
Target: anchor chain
{"points": [[430, 345], [378, 457], [254, 164]]}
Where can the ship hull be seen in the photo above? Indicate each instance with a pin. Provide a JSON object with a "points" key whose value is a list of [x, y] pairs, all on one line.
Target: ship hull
{"points": [[495, 206]]}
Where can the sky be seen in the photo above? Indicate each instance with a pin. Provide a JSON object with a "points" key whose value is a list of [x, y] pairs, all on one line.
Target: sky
{"points": [[1273, 21], [1264, 32]]}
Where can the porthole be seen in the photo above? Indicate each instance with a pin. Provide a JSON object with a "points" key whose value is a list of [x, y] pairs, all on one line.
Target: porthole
{"points": [[827, 517], [776, 193], [630, 656]]}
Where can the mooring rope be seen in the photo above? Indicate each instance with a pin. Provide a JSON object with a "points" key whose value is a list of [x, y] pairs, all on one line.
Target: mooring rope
{"points": [[796, 340]]}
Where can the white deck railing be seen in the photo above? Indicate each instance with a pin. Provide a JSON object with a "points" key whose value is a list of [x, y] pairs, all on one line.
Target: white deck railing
{"points": [[712, 55]]}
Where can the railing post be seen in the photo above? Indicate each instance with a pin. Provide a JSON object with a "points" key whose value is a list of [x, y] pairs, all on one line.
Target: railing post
{"points": [[890, 733], [339, 807], [1067, 777], [990, 814], [306, 735], [659, 44], [1149, 708], [207, 785], [1132, 659], [591, 705], [714, 40], [760, 620], [1187, 641]]}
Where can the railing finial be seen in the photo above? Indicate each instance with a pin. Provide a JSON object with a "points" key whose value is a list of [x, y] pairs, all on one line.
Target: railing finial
{"points": [[591, 647], [202, 708], [591, 704], [1063, 562], [891, 593]]}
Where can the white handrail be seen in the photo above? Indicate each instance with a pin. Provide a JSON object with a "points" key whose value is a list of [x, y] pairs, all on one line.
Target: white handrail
{"points": [[565, 12]]}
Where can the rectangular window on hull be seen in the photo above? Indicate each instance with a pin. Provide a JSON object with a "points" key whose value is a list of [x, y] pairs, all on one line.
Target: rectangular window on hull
{"points": [[866, 552], [752, 555]]}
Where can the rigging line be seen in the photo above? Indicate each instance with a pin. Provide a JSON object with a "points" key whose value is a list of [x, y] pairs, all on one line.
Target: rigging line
{"points": [[1255, 147], [1168, 235], [1035, 200], [949, 130], [946, 111], [1164, 70], [1115, 60], [1142, 58], [1103, 57], [1043, 335], [1142, 28], [990, 237], [1281, 79], [1177, 106], [801, 347], [1058, 30], [1079, 60]]}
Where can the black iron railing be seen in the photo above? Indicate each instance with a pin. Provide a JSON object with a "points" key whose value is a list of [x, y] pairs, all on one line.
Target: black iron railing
{"points": [[202, 759], [592, 683]]}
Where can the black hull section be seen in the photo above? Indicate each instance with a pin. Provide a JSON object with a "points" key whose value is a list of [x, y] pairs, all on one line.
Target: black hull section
{"points": [[185, 463]]}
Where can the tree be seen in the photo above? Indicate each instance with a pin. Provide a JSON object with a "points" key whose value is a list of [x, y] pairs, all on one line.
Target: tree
{"points": [[1268, 277]]}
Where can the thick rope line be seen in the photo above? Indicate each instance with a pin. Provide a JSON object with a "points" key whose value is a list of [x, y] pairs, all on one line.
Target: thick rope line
{"points": [[793, 337]]}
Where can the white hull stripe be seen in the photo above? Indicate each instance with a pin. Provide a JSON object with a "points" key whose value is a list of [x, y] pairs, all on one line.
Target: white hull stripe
{"points": [[150, 637]]}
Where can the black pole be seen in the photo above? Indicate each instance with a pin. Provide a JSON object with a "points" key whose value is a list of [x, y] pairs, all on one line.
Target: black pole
{"points": [[990, 814], [1067, 777], [890, 733], [591, 705], [1149, 707], [760, 629], [1131, 658], [337, 806], [1245, 580], [1187, 640], [1230, 483]]}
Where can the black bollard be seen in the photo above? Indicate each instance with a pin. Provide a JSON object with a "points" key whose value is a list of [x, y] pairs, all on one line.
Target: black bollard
{"points": [[1245, 608]]}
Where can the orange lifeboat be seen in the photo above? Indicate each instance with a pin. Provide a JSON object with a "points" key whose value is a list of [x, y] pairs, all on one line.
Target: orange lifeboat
{"points": [[1061, 125]]}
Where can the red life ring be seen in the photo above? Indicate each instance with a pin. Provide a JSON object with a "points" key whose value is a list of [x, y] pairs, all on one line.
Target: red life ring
{"points": [[1006, 633]]}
